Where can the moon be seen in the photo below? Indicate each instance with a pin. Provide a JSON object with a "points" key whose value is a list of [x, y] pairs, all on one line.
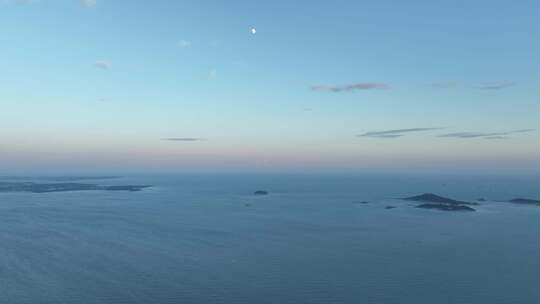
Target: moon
{"points": [[253, 30]]}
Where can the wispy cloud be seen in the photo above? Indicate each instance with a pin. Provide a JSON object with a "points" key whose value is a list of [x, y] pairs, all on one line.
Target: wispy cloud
{"points": [[89, 3], [497, 85], [472, 134], [102, 64], [496, 137], [485, 135], [183, 139], [524, 131], [350, 87], [184, 44], [395, 133]]}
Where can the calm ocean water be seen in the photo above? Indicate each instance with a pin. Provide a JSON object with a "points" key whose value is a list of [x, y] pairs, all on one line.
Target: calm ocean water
{"points": [[207, 239]]}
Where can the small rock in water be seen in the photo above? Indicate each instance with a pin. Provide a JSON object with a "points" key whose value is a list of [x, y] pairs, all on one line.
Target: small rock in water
{"points": [[261, 192], [390, 207]]}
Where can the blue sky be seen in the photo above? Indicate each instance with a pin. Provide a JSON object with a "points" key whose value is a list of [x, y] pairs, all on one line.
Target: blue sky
{"points": [[356, 86]]}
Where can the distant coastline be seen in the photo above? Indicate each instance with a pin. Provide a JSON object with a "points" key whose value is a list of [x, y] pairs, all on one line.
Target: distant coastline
{"points": [[58, 178], [31, 187]]}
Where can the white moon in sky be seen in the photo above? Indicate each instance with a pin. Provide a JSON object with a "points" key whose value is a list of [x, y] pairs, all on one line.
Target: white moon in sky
{"points": [[253, 31]]}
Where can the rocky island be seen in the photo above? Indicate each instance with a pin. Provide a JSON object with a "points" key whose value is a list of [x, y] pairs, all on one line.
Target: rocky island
{"points": [[432, 201], [433, 198], [525, 201], [445, 207], [130, 188], [63, 187], [261, 192]]}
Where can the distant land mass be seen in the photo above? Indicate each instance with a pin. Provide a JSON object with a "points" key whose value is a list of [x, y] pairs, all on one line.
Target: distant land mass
{"points": [[433, 201], [525, 201], [63, 187], [445, 207], [59, 178], [433, 198]]}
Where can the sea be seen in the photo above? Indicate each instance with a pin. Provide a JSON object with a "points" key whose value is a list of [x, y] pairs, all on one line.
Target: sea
{"points": [[203, 238]]}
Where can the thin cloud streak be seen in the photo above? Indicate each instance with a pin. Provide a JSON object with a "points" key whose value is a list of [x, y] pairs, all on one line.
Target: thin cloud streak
{"points": [[350, 87], [485, 135], [496, 137], [498, 85], [472, 134], [395, 133]]}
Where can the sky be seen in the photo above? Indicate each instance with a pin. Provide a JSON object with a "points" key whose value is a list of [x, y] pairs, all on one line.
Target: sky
{"points": [[269, 86]]}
